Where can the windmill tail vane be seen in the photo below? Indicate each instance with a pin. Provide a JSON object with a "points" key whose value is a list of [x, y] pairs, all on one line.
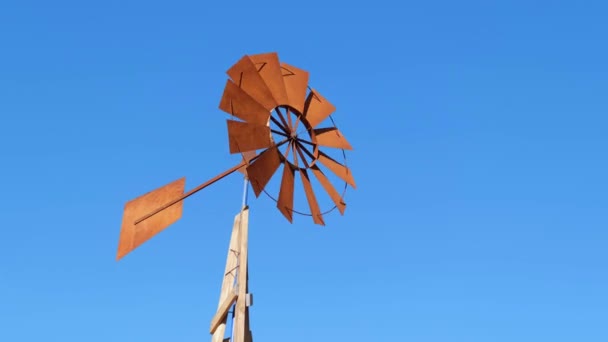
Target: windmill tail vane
{"points": [[275, 119]]}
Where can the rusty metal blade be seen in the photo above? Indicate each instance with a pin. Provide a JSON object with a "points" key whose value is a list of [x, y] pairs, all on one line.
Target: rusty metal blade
{"points": [[244, 137], [269, 68], [331, 191], [317, 108], [131, 235], [237, 102], [331, 137], [260, 172], [246, 76], [312, 200], [338, 169], [296, 85], [285, 201]]}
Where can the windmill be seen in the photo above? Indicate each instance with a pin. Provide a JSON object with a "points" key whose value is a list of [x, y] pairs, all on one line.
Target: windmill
{"points": [[276, 119]]}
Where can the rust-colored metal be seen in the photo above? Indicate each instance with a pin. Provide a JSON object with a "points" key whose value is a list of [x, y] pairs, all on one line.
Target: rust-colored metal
{"points": [[301, 154], [331, 137], [269, 68], [132, 235], [246, 76], [263, 168], [237, 102], [317, 109], [285, 201], [286, 131], [331, 191], [290, 120], [295, 154], [246, 137], [314, 155], [296, 85], [338, 169], [286, 126], [312, 200]]}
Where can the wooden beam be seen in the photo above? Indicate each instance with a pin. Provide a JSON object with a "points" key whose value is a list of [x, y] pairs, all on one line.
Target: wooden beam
{"points": [[229, 277], [241, 307], [222, 312]]}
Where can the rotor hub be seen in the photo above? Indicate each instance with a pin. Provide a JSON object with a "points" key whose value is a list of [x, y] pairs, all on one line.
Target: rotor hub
{"points": [[294, 137]]}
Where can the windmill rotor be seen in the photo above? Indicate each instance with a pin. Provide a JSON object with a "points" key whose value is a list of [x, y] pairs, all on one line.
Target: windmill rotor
{"points": [[274, 110]]}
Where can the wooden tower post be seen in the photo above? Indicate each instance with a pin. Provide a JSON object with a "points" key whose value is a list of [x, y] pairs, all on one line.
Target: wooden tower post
{"points": [[234, 292]]}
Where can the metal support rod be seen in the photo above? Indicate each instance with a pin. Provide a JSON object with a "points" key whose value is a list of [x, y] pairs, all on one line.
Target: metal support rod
{"points": [[202, 186], [245, 192], [193, 191]]}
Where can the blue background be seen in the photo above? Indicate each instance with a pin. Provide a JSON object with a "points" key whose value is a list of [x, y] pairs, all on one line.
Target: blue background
{"points": [[480, 142]]}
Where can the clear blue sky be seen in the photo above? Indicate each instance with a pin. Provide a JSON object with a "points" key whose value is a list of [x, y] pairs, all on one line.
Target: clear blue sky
{"points": [[479, 130]]}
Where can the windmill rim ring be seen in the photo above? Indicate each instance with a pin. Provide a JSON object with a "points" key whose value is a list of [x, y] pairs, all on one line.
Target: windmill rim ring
{"points": [[343, 195], [290, 133]]}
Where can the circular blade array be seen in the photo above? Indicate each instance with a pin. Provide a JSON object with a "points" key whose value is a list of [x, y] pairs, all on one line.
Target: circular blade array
{"points": [[272, 106]]}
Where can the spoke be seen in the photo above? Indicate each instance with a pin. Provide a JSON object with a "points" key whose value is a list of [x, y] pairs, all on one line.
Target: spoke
{"points": [[306, 151], [286, 154], [302, 155], [283, 120], [279, 133], [289, 118], [276, 122], [304, 129], [295, 155], [295, 127], [282, 142], [305, 142]]}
